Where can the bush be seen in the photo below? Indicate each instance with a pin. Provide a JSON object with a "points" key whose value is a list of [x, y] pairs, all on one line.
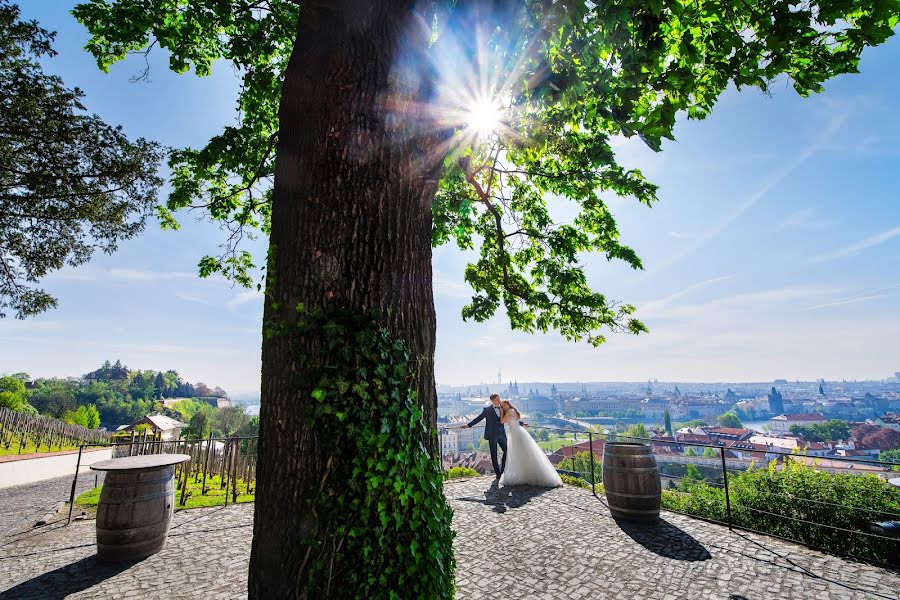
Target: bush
{"points": [[457, 472], [576, 481], [777, 501]]}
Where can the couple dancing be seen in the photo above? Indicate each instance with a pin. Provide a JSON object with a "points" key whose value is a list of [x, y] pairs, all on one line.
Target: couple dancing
{"points": [[527, 464]]}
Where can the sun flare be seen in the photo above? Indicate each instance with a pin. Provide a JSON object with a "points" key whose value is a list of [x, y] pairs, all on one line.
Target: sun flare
{"points": [[484, 117]]}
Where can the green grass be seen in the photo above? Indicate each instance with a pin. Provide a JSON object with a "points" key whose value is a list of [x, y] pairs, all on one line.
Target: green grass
{"points": [[215, 496], [557, 441], [29, 448]]}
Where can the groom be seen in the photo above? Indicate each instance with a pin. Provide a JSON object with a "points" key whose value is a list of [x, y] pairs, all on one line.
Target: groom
{"points": [[494, 432]]}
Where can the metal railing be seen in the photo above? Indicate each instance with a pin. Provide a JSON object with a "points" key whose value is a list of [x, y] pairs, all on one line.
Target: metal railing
{"points": [[735, 508]]}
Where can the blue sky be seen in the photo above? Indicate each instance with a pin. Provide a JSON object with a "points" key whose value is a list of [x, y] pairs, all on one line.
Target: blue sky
{"points": [[774, 252]]}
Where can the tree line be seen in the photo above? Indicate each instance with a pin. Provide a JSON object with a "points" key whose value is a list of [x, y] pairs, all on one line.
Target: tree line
{"points": [[112, 395]]}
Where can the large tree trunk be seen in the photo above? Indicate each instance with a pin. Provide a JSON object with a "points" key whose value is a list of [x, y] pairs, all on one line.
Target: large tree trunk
{"points": [[351, 229]]}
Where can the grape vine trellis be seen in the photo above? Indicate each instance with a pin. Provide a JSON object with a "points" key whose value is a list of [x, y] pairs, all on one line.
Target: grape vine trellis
{"points": [[44, 432]]}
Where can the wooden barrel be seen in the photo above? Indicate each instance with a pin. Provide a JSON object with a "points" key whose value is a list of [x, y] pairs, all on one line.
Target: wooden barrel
{"points": [[134, 513], [631, 480]]}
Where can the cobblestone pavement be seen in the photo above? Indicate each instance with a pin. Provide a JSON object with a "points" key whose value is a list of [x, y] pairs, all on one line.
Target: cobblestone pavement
{"points": [[22, 505], [511, 543], [532, 543], [206, 556]]}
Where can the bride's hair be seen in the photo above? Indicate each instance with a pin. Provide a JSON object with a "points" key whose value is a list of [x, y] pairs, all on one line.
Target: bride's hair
{"points": [[510, 404]]}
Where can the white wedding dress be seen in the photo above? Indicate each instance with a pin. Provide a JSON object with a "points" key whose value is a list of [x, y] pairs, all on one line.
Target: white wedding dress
{"points": [[526, 463]]}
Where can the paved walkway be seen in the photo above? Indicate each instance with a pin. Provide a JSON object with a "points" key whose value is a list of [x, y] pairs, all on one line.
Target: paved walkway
{"points": [[532, 543], [511, 543], [21, 506]]}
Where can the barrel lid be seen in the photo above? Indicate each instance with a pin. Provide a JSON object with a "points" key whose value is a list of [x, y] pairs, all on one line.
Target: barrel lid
{"points": [[148, 461]]}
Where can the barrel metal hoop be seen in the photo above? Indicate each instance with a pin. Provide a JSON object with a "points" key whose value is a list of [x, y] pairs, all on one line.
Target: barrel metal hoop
{"points": [[137, 499]]}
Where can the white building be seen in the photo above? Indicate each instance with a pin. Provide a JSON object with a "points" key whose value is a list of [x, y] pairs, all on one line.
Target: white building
{"points": [[167, 427], [449, 442], [785, 422]]}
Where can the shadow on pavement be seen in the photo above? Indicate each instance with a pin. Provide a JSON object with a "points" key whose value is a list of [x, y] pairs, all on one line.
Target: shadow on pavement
{"points": [[69, 579], [502, 498], [665, 539]]}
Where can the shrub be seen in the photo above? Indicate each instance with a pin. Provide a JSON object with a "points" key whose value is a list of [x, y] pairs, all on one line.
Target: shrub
{"points": [[576, 481], [457, 472], [801, 503]]}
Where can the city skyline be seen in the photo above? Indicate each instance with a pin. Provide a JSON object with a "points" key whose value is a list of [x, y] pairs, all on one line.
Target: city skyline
{"points": [[769, 255]]}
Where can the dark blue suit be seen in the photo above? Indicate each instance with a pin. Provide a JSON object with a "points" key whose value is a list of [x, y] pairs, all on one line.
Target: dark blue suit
{"points": [[495, 434]]}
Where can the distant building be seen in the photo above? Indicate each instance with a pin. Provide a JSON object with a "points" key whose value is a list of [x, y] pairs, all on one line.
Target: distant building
{"points": [[214, 401], [785, 422], [169, 428], [776, 402], [449, 441], [889, 420]]}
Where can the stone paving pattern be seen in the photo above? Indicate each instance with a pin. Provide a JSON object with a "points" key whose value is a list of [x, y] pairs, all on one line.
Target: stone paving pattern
{"points": [[511, 543], [21, 506]]}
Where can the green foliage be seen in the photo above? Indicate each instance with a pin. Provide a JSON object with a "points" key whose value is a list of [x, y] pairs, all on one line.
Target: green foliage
{"points": [[692, 476], [581, 464], [711, 453], [834, 429], [575, 481], [890, 456], [457, 472], [636, 432], [120, 395], [86, 416], [70, 184], [730, 419], [380, 507], [798, 493], [667, 423], [594, 70], [12, 394]]}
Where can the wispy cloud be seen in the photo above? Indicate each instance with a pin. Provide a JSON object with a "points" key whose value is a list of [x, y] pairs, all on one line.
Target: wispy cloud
{"points": [[760, 302], [777, 177], [654, 306], [243, 298], [854, 300], [681, 236], [194, 299], [865, 296], [854, 249], [451, 288], [805, 218], [132, 275]]}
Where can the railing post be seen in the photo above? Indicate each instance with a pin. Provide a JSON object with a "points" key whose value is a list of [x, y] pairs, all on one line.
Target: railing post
{"points": [[74, 483], [725, 479], [591, 446]]}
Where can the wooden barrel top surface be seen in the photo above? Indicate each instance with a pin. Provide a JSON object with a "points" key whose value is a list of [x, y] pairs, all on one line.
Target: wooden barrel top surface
{"points": [[148, 461]]}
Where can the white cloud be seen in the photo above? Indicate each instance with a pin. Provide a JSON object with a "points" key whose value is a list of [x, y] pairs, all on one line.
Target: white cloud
{"points": [[243, 298], [854, 249], [131, 275], [449, 287], [802, 219], [195, 299]]}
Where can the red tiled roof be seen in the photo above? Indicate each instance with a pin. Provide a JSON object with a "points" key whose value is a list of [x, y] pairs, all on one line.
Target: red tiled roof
{"points": [[729, 431]]}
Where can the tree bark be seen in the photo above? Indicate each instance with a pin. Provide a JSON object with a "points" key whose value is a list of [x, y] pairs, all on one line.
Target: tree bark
{"points": [[351, 229]]}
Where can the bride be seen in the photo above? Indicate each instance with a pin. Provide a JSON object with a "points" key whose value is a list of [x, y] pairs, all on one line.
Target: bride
{"points": [[527, 463]]}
